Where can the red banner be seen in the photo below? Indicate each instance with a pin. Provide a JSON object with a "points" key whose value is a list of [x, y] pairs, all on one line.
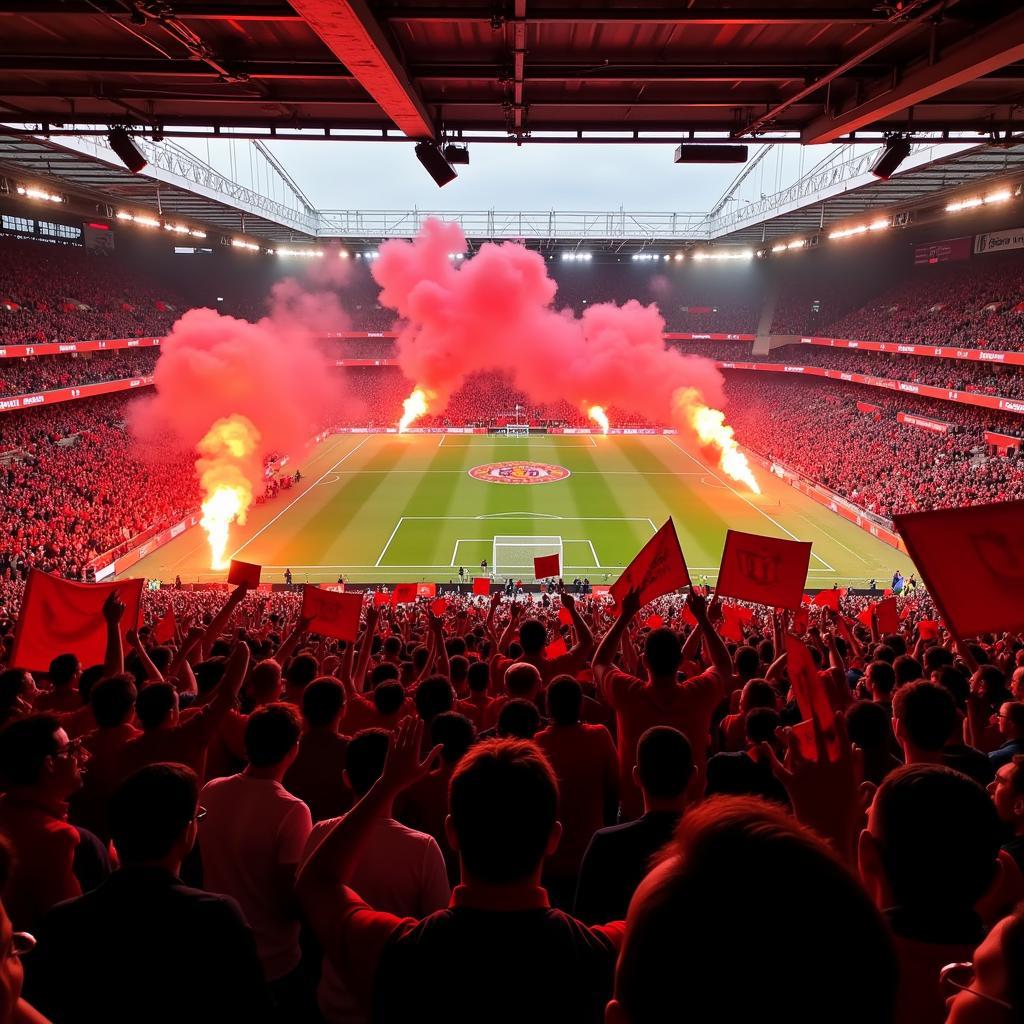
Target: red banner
{"points": [[1004, 442], [1014, 405], [365, 362], [71, 394], [976, 355], [924, 422], [63, 348], [867, 407]]}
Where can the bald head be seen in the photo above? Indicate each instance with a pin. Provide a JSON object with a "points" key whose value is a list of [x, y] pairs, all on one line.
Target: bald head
{"points": [[522, 680]]}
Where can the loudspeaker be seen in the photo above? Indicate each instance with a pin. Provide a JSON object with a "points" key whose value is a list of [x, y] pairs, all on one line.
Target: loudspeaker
{"points": [[437, 167], [707, 153], [126, 150]]}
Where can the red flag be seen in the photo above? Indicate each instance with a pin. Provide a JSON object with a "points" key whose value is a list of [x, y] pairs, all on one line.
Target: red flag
{"points": [[658, 568], [655, 622], [928, 629], [809, 690], [732, 623], [482, 585], [556, 648], [165, 629], [864, 617], [546, 566], [888, 616], [764, 570], [972, 561], [379, 599], [332, 613], [244, 572], [687, 616], [801, 620], [438, 606], [601, 591], [426, 589], [63, 617], [404, 593], [827, 599], [564, 617], [806, 599]]}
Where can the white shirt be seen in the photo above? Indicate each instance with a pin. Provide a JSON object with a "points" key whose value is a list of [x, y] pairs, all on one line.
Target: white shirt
{"points": [[400, 871], [251, 840]]}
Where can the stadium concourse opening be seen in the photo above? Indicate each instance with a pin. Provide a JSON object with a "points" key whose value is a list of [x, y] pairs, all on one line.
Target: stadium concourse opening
{"points": [[573, 611]]}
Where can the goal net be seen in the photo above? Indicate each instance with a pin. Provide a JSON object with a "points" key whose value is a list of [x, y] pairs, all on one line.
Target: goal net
{"points": [[513, 556]]}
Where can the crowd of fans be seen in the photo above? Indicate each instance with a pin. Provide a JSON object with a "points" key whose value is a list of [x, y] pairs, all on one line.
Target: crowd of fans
{"points": [[879, 464], [22, 375], [451, 819], [62, 293]]}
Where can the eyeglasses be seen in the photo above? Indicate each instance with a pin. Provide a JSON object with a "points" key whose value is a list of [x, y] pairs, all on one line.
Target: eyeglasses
{"points": [[200, 814], [75, 748], [20, 944], [960, 978]]}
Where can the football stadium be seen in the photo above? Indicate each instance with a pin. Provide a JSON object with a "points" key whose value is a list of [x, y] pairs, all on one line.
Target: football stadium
{"points": [[511, 511]]}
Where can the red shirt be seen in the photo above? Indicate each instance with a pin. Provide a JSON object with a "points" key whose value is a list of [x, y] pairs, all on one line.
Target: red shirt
{"points": [[639, 705], [44, 853], [474, 925], [474, 711], [584, 759]]}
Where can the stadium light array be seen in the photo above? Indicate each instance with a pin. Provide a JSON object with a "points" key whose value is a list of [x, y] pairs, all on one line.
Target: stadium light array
{"points": [[241, 243], [143, 220], [456, 255], [860, 229], [371, 255], [969, 204], [580, 257], [31, 192], [645, 257], [301, 253], [725, 254]]}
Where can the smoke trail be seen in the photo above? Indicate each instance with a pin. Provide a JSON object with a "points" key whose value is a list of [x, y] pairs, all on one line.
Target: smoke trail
{"points": [[238, 392]]}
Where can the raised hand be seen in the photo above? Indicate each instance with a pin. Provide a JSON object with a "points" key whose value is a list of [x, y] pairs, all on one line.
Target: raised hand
{"points": [[113, 608], [402, 766]]}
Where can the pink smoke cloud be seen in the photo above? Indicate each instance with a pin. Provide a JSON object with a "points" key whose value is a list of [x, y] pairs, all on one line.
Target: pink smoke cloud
{"points": [[494, 312]]}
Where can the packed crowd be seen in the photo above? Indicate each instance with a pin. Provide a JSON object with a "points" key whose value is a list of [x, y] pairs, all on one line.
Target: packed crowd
{"points": [[74, 485], [973, 304], [61, 293], [877, 463], [545, 809], [19, 376]]}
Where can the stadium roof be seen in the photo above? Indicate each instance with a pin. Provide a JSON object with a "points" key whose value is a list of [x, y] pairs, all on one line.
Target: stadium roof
{"points": [[815, 70], [178, 183]]}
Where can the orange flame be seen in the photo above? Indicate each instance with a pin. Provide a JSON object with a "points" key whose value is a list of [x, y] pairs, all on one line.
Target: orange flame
{"points": [[711, 428], [227, 467], [599, 416], [415, 406]]}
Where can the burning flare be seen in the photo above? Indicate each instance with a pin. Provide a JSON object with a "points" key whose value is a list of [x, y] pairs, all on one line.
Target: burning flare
{"points": [[227, 467], [415, 406], [712, 430], [599, 416]]}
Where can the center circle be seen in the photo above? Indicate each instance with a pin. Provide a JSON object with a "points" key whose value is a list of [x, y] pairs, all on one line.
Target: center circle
{"points": [[518, 472]]}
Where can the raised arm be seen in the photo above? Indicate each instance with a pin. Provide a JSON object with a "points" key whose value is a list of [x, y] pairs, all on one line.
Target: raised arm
{"points": [[365, 649], [604, 656], [584, 646], [291, 641], [113, 612], [717, 652], [221, 619], [153, 674]]}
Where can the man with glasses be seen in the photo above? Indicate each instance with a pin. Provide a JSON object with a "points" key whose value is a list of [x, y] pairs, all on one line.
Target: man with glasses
{"points": [[40, 768], [990, 988], [144, 946]]}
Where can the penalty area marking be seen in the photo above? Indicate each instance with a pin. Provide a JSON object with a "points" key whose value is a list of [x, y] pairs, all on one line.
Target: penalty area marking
{"points": [[490, 540], [777, 525], [513, 517]]}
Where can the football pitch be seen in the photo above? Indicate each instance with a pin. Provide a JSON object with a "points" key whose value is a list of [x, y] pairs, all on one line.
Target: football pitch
{"points": [[415, 507]]}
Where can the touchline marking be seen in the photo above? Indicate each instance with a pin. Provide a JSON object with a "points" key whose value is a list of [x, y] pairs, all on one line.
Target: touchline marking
{"points": [[309, 489], [778, 526], [713, 569], [832, 537]]}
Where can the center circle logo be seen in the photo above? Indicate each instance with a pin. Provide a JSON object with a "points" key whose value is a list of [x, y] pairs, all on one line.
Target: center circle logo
{"points": [[518, 473]]}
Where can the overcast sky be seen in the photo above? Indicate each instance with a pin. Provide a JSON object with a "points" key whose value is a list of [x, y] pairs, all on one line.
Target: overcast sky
{"points": [[538, 176]]}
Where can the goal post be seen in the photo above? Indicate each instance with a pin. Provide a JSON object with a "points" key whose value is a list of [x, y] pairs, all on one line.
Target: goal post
{"points": [[513, 556]]}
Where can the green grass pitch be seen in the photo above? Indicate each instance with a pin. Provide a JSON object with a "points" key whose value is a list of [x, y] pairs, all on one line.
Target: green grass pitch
{"points": [[390, 508]]}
